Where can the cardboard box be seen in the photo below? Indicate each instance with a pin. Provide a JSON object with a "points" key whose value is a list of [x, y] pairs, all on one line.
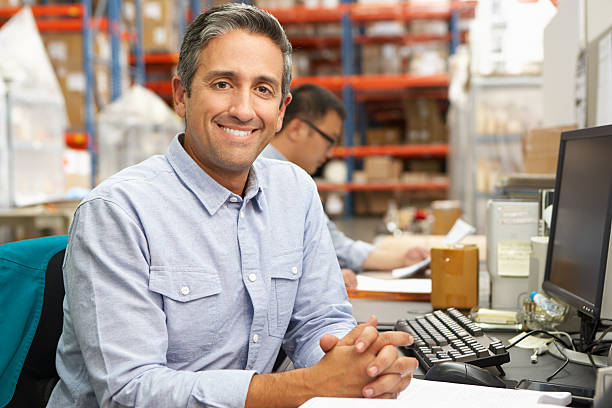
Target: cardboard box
{"points": [[424, 122], [454, 276], [10, 3], [383, 136], [541, 148], [160, 31], [382, 168], [65, 51], [445, 213]]}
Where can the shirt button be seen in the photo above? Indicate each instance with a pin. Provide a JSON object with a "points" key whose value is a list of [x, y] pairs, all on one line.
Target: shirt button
{"points": [[294, 270], [233, 199], [255, 338], [241, 214], [252, 277], [185, 290]]}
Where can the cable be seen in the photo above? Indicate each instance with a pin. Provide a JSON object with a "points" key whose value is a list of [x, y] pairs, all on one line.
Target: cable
{"points": [[531, 333], [599, 340], [565, 363], [571, 341]]}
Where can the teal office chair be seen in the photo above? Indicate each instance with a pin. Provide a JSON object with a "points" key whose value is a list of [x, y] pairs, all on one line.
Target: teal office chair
{"points": [[31, 315]]}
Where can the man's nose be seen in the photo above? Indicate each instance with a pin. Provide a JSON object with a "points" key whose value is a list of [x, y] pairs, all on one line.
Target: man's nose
{"points": [[242, 106]]}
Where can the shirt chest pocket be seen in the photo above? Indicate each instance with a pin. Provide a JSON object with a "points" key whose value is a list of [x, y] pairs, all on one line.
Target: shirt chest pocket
{"points": [[285, 273], [191, 304]]}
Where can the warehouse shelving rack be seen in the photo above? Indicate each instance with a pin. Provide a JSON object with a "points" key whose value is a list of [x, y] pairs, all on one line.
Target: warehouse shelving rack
{"points": [[356, 88]]}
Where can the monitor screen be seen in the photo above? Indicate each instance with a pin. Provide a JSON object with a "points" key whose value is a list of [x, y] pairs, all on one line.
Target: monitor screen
{"points": [[580, 230]]}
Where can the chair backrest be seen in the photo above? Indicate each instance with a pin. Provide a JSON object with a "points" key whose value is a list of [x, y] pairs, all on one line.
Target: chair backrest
{"points": [[31, 296]]}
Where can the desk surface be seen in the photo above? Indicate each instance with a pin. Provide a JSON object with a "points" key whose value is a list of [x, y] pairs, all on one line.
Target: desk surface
{"points": [[518, 368]]}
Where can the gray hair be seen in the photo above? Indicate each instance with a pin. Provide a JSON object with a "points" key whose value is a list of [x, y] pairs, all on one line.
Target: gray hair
{"points": [[220, 20]]}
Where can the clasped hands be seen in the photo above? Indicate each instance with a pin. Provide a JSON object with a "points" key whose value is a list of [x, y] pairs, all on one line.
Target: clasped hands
{"points": [[365, 363]]}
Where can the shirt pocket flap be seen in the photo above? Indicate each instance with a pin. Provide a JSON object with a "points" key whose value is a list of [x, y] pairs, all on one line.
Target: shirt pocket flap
{"points": [[287, 265], [184, 284]]}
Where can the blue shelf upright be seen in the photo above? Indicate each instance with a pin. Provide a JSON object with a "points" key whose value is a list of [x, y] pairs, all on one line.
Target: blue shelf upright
{"points": [[348, 96], [89, 83]]}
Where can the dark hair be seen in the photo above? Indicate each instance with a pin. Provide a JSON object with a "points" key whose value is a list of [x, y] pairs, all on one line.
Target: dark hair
{"points": [[312, 102], [221, 20]]}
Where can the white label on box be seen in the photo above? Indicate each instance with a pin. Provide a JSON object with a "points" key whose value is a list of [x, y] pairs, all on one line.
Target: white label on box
{"points": [[75, 81], [129, 11], [513, 258], [58, 50], [102, 82], [159, 35], [152, 11]]}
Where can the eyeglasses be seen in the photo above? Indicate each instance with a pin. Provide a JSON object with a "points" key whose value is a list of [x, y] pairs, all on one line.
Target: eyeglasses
{"points": [[332, 141]]}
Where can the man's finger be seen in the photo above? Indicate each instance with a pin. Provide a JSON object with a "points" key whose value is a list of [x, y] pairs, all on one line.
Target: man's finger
{"points": [[403, 366], [328, 342], [391, 338], [383, 360], [386, 383], [351, 338]]}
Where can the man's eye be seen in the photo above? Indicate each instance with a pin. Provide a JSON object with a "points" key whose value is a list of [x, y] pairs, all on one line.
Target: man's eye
{"points": [[263, 90], [221, 85]]}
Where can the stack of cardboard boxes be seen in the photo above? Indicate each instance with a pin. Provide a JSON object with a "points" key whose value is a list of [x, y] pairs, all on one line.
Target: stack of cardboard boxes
{"points": [[541, 148], [65, 50]]}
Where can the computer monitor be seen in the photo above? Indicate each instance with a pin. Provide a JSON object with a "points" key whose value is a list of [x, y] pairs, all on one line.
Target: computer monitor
{"points": [[579, 259]]}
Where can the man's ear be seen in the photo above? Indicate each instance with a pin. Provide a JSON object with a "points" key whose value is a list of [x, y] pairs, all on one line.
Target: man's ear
{"points": [[295, 130], [281, 113], [179, 94]]}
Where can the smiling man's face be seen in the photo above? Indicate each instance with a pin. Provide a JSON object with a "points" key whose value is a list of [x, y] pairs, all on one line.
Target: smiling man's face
{"points": [[235, 104]]}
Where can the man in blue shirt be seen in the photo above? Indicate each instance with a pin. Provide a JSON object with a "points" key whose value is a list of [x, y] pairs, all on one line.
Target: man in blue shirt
{"points": [[186, 274], [311, 128]]}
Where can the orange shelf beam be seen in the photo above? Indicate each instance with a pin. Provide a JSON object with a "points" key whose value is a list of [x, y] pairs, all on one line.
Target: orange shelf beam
{"points": [[371, 12], [169, 58], [303, 14], [53, 10], [162, 88], [376, 82], [383, 186], [415, 150]]}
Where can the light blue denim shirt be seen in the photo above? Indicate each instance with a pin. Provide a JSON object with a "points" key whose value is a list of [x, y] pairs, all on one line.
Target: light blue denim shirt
{"points": [[178, 290], [351, 253]]}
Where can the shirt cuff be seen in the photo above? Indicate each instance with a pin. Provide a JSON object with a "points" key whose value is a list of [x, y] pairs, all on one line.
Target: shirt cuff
{"points": [[360, 251], [316, 354], [223, 388]]}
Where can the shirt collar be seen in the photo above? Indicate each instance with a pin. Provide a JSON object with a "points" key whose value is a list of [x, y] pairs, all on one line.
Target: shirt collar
{"points": [[210, 193], [272, 152]]}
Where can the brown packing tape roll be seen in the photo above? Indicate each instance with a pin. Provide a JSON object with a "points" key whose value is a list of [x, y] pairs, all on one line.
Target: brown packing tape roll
{"points": [[454, 276]]}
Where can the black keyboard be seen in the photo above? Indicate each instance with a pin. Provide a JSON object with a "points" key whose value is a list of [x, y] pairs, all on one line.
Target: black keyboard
{"points": [[450, 336]]}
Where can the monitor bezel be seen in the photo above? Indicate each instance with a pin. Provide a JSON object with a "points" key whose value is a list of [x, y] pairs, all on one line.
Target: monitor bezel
{"points": [[591, 309]]}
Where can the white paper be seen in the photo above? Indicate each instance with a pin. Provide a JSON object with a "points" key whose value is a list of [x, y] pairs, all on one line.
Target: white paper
{"points": [[423, 393], [513, 258], [460, 230], [604, 82], [408, 271], [368, 284]]}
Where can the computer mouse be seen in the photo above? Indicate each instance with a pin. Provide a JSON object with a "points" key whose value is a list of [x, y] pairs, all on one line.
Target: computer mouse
{"points": [[463, 373]]}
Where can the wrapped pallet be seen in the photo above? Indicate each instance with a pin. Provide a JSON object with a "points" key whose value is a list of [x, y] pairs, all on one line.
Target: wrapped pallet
{"points": [[135, 126], [32, 117]]}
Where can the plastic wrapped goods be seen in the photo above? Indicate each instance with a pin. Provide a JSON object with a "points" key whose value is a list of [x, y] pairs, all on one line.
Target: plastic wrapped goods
{"points": [[134, 127]]}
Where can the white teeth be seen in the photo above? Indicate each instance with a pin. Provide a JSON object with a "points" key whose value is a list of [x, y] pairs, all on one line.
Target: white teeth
{"points": [[240, 133]]}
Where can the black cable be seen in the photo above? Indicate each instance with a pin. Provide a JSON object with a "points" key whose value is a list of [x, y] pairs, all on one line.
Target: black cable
{"points": [[599, 340], [531, 333], [565, 363], [592, 363]]}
